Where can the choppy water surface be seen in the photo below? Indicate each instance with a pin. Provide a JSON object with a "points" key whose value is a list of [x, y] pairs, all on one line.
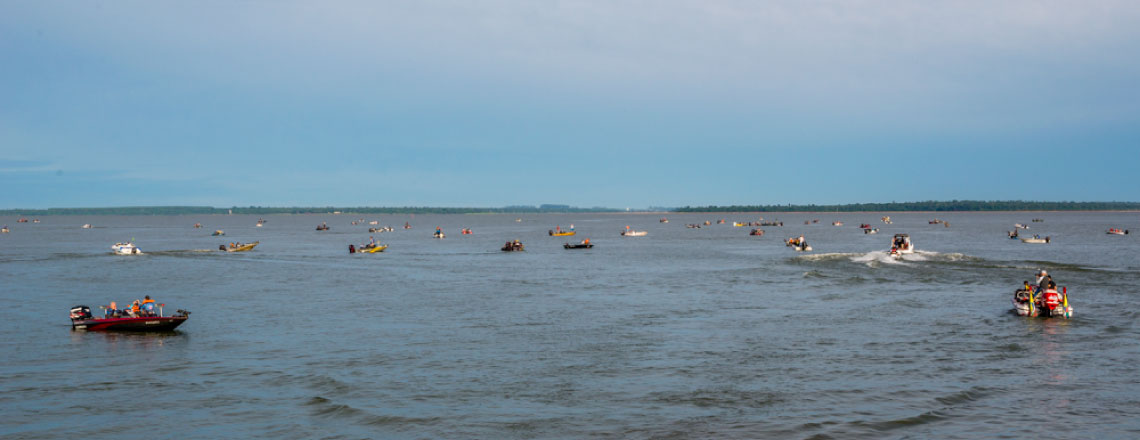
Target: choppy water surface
{"points": [[685, 333]]}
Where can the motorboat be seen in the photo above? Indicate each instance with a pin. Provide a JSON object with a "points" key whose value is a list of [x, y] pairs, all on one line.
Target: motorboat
{"points": [[585, 244], [1047, 304], [407, 225], [1013, 235], [772, 223], [1035, 240], [837, 223], [870, 230], [664, 220], [756, 232], [22, 220], [238, 247], [693, 225], [5, 230], [720, 222], [632, 233], [218, 233], [116, 320], [799, 244], [197, 226], [1020, 226], [900, 245], [864, 226], [560, 233], [1117, 231], [1038, 220], [322, 227], [438, 234], [127, 248], [370, 248], [374, 222], [87, 226], [886, 219], [512, 246]]}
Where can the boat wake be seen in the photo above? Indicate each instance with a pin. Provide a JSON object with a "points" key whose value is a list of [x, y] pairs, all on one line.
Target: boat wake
{"points": [[884, 258]]}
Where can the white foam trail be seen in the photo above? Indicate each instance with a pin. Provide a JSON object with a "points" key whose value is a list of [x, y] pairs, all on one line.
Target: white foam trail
{"points": [[875, 258]]}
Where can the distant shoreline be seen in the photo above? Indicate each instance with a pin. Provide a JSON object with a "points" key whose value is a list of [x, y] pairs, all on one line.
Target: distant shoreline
{"points": [[894, 207]]}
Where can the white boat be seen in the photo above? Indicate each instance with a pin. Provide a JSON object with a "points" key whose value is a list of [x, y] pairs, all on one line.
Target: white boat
{"points": [[632, 233], [4, 230], [870, 230], [1020, 226], [87, 226], [900, 245], [1117, 231], [837, 223], [126, 249], [1047, 305], [1035, 240]]}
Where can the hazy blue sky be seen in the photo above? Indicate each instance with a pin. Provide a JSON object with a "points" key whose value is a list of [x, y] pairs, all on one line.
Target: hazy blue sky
{"points": [[606, 103]]}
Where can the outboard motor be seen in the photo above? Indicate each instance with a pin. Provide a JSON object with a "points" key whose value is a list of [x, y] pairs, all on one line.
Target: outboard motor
{"points": [[80, 313]]}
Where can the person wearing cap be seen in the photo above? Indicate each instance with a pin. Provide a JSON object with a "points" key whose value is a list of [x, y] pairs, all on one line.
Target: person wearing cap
{"points": [[1043, 280]]}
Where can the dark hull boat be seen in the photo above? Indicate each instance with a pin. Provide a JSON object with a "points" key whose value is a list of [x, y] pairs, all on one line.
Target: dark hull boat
{"points": [[140, 324], [578, 245], [81, 319]]}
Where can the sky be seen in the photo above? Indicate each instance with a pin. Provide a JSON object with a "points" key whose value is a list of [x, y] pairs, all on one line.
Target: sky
{"points": [[588, 103]]}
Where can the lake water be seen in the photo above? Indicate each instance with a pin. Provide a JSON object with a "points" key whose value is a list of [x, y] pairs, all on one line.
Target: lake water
{"points": [[684, 333]]}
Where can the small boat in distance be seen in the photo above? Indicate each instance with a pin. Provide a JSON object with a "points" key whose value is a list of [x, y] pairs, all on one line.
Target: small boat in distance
{"points": [[322, 227], [632, 233], [218, 232], [238, 247], [438, 233], [756, 232], [1020, 226], [886, 219], [1117, 231], [799, 244], [5, 230], [87, 226], [664, 220], [870, 230], [558, 232], [197, 226], [127, 248], [837, 223], [1036, 239], [585, 244], [512, 246], [370, 248]]}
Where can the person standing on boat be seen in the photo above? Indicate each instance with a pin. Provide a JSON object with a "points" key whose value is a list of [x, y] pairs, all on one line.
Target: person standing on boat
{"points": [[1043, 280]]}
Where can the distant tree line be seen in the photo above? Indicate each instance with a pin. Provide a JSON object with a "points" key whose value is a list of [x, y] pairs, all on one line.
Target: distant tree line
{"points": [[261, 210], [932, 205]]}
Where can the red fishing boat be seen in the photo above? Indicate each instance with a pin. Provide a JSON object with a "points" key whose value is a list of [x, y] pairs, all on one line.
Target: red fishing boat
{"points": [[81, 319]]}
